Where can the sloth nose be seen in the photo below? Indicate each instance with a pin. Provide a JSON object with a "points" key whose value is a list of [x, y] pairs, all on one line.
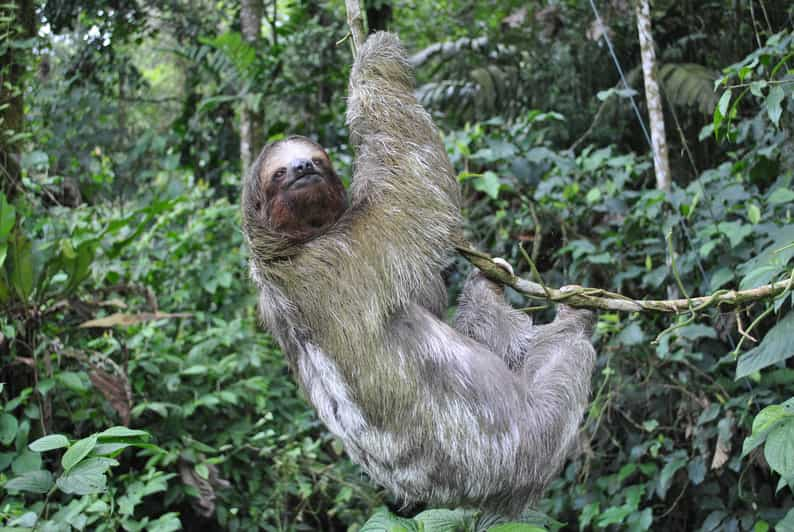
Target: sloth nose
{"points": [[302, 167]]}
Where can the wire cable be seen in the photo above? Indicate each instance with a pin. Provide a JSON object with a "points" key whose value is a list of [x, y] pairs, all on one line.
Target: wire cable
{"points": [[622, 76]]}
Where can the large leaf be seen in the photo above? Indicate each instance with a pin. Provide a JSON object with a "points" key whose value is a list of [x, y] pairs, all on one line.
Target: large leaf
{"points": [[33, 481], [48, 443], [7, 217], [779, 449], [767, 419], [775, 347], [8, 428], [21, 257], [87, 477], [78, 451], [122, 432], [443, 520], [384, 521]]}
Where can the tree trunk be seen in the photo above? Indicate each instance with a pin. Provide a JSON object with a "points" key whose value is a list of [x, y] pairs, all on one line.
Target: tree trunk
{"points": [[378, 14], [653, 97], [661, 162], [251, 120], [21, 16]]}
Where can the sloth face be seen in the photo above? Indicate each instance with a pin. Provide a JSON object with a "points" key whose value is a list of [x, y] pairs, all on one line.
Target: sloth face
{"points": [[302, 194]]}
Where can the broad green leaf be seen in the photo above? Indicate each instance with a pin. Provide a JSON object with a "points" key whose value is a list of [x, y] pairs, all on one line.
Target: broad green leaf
{"points": [[721, 277], [753, 213], [8, 428], [86, 478], [7, 217], [444, 520], [766, 420], [678, 461], [27, 520], [122, 432], [74, 380], [510, 527], [589, 512], [488, 183], [780, 196], [33, 481], [21, 275], [722, 109], [613, 515], [697, 470], [787, 523], [202, 471], [631, 335], [775, 347], [779, 449], [78, 451], [26, 462], [384, 521], [48, 443], [773, 104]]}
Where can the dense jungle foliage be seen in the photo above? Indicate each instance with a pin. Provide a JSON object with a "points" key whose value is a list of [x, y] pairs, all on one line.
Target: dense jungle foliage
{"points": [[137, 390]]}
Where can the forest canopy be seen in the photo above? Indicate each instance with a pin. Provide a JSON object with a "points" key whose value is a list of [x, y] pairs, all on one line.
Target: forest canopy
{"points": [[635, 149]]}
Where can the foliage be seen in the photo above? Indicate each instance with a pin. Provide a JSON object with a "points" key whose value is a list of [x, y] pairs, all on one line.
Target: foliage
{"points": [[458, 520]]}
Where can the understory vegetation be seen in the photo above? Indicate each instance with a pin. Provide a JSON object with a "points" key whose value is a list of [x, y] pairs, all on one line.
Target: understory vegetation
{"points": [[137, 389]]}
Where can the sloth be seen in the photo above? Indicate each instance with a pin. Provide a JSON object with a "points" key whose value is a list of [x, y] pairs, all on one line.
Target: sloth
{"points": [[482, 413]]}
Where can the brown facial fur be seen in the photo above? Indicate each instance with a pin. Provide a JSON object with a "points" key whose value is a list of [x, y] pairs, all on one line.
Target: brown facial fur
{"points": [[299, 207]]}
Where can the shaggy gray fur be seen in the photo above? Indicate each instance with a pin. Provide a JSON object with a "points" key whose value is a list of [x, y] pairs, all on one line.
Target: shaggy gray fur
{"points": [[483, 414]]}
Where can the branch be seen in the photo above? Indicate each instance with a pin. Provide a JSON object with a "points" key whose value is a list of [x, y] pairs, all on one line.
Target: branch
{"points": [[596, 298], [356, 22]]}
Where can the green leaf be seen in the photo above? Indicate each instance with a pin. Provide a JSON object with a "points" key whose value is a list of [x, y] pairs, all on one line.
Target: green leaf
{"points": [[21, 275], [787, 523], [779, 449], [593, 196], [26, 462], [488, 183], [8, 428], [613, 515], [780, 196], [722, 109], [766, 420], [753, 213], [73, 380], [384, 521], [48, 443], [444, 520], [588, 513], [511, 527], [678, 461], [78, 451], [7, 217], [773, 104], [122, 432], [87, 477], [33, 481], [631, 335], [775, 347]]}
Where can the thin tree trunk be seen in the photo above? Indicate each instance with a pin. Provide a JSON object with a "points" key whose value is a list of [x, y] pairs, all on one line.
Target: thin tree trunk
{"points": [[661, 161], [251, 120], [19, 23]]}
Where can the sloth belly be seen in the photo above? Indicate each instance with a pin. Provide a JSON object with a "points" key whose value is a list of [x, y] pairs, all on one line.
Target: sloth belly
{"points": [[419, 463]]}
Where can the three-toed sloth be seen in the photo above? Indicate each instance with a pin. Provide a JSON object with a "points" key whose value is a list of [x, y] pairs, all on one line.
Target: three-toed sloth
{"points": [[479, 414]]}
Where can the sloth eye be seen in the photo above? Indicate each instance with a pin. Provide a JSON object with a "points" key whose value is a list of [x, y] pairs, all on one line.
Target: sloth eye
{"points": [[317, 161], [278, 174]]}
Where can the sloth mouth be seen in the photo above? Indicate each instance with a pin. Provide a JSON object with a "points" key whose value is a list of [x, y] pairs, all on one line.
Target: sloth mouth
{"points": [[305, 180]]}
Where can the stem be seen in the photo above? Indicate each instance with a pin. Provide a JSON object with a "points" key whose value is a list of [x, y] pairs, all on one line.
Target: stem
{"points": [[356, 22], [596, 298]]}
